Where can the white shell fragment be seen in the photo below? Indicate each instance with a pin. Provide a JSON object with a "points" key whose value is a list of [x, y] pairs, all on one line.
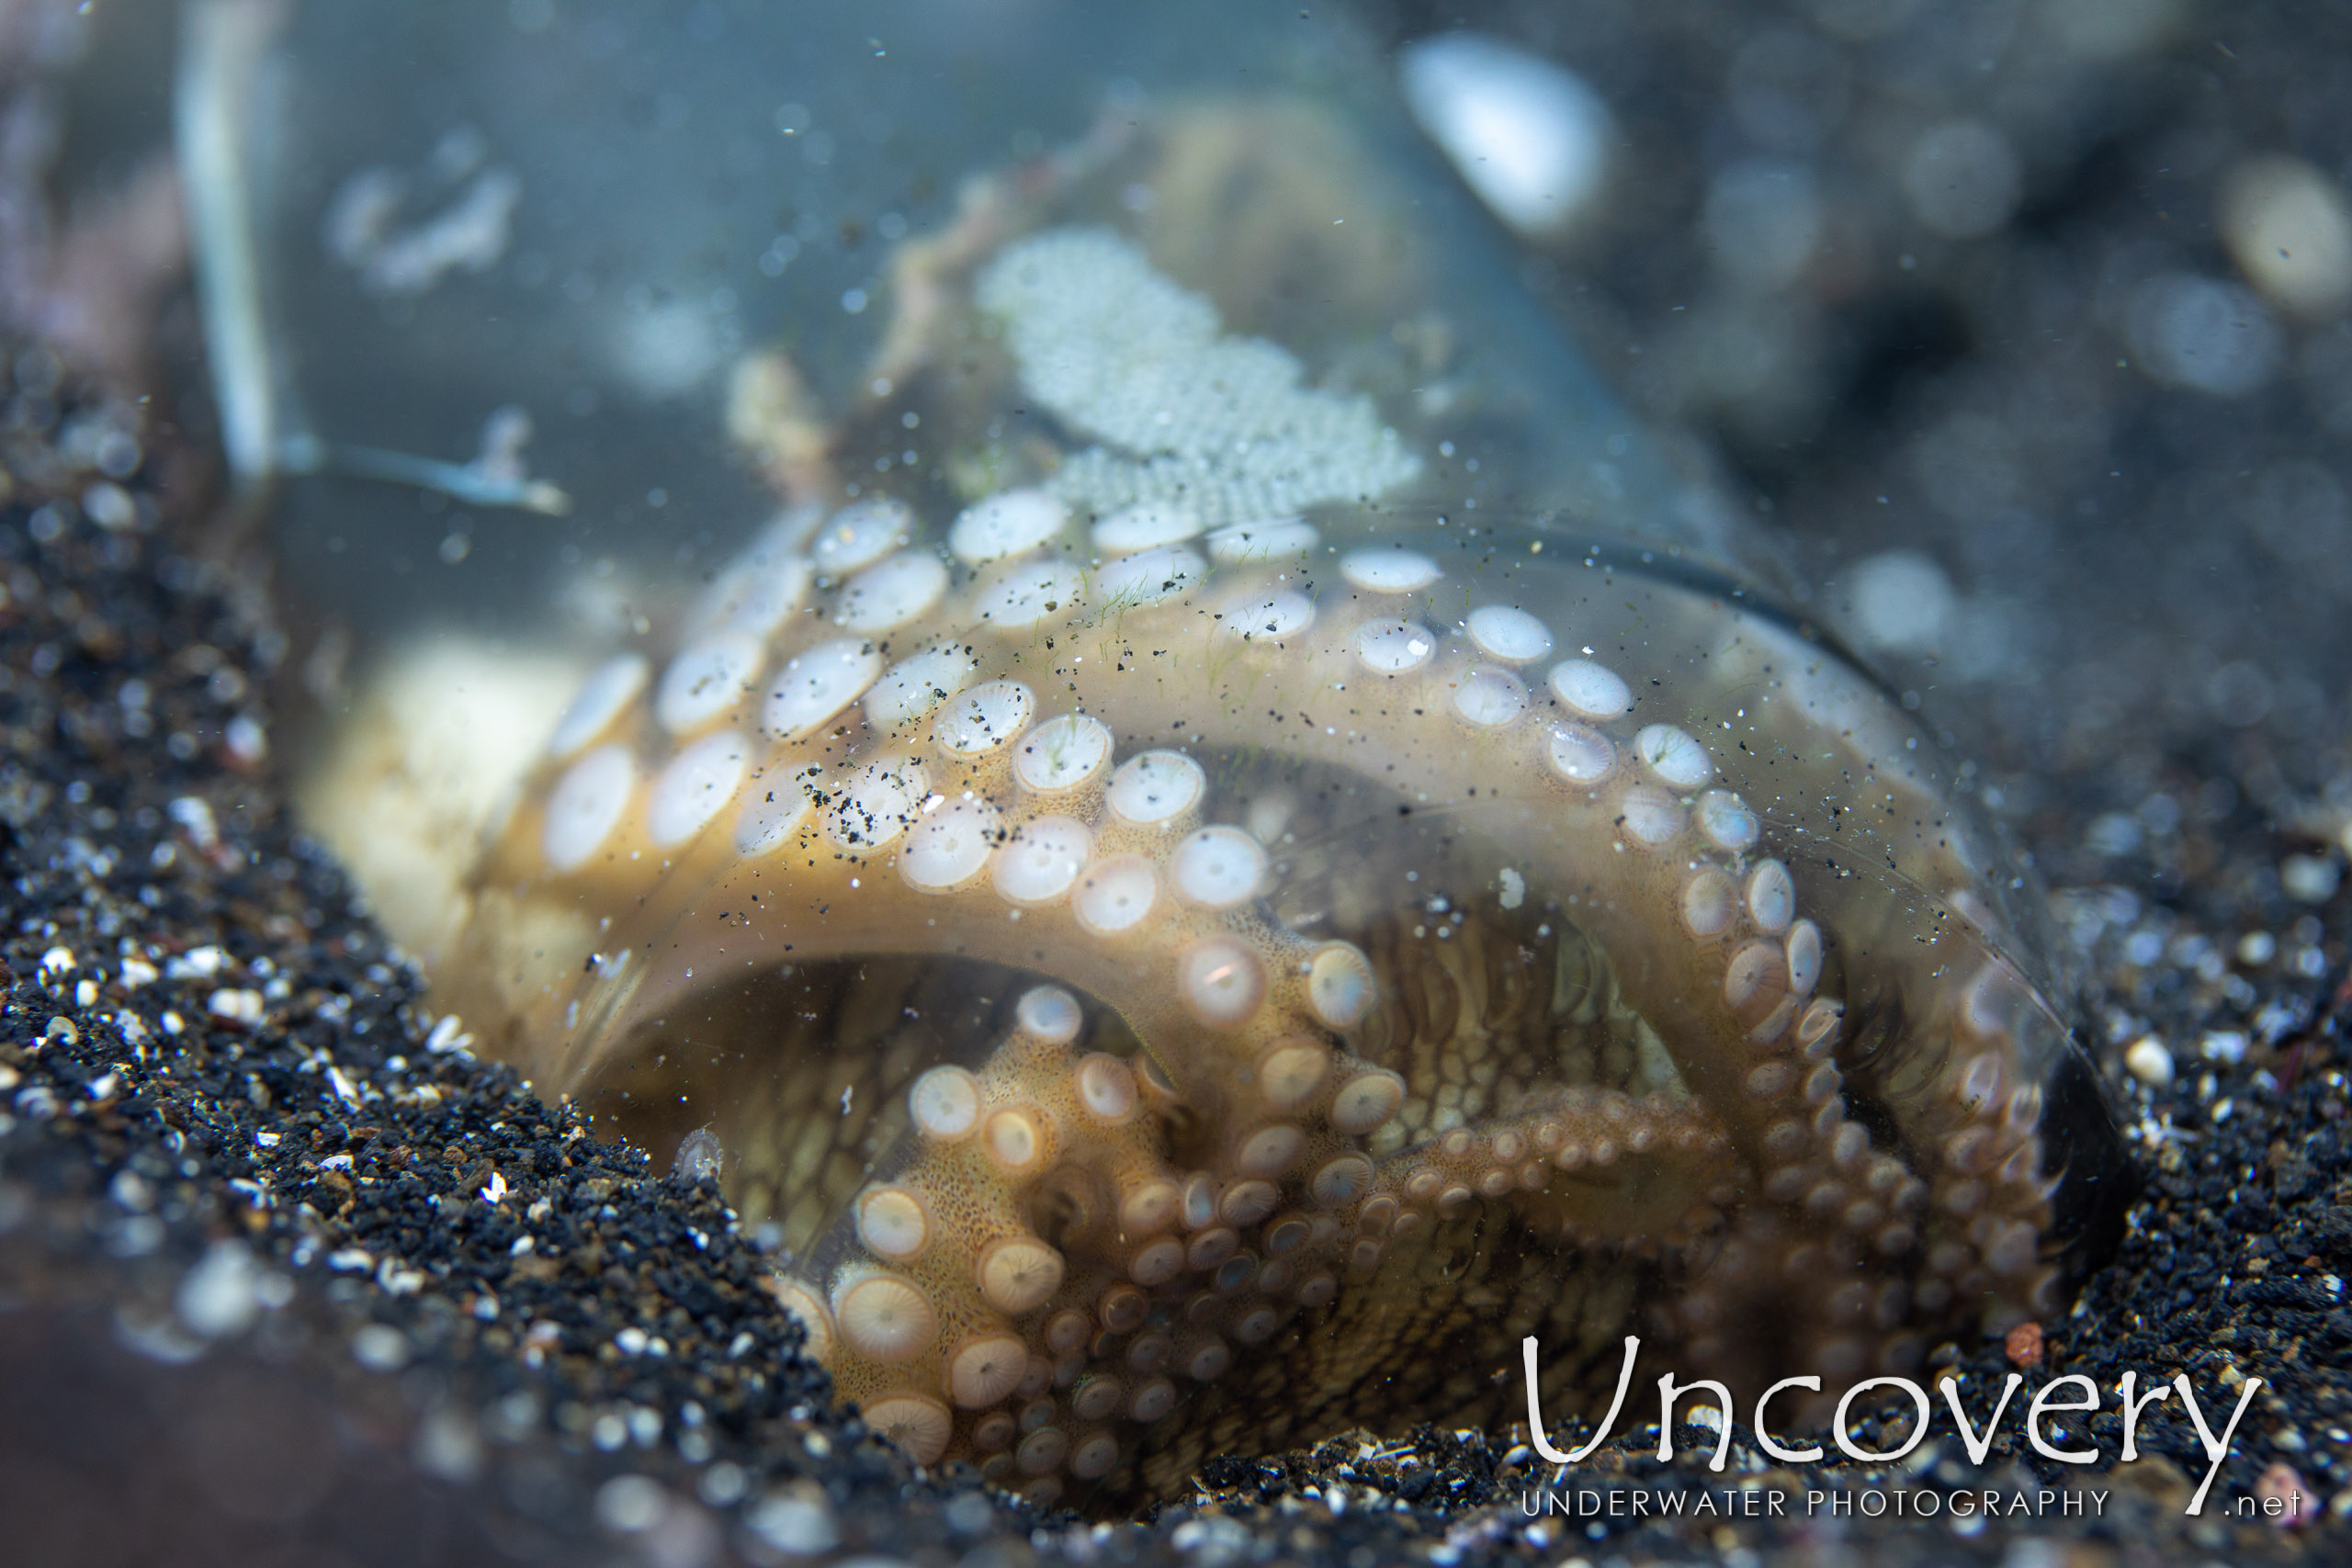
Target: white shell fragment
{"points": [[1526, 134], [2288, 227]]}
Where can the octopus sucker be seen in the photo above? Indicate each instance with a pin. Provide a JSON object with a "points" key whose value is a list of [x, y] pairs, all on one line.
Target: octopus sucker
{"points": [[1193, 946]]}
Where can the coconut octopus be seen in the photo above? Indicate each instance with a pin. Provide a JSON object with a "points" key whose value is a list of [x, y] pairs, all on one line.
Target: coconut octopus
{"points": [[1196, 946]]}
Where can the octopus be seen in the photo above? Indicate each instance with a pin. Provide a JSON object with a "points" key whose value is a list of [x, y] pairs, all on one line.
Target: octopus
{"points": [[1191, 952]]}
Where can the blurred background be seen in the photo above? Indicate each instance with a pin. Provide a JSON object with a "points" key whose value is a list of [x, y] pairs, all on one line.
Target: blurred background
{"points": [[2027, 318], [2022, 322]]}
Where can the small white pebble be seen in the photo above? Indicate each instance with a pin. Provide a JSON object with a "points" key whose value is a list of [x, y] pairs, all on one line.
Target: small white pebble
{"points": [[2288, 226], [2226, 1046], [236, 1004], [1531, 138], [197, 963], [379, 1347], [2310, 879], [797, 1521], [218, 1296], [630, 1504], [2149, 1061]]}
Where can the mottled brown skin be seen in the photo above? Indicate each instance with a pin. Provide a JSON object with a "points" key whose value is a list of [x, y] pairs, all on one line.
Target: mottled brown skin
{"points": [[1494, 1008], [1829, 1187]]}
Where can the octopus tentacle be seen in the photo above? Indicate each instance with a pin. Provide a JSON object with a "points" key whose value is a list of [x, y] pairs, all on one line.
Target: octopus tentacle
{"points": [[1639, 1175], [1179, 988], [1257, 1152]]}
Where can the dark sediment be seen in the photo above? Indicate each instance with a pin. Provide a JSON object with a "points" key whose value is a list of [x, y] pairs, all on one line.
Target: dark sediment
{"points": [[285, 1267]]}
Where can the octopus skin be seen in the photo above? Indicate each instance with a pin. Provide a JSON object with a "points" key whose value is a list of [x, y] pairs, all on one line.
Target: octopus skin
{"points": [[1182, 993], [1195, 925]]}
